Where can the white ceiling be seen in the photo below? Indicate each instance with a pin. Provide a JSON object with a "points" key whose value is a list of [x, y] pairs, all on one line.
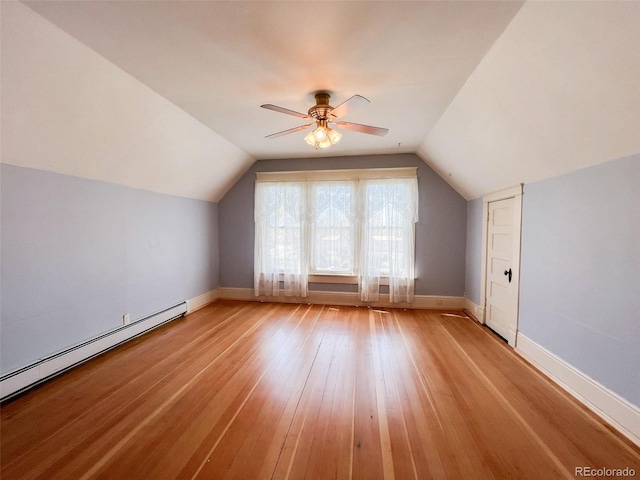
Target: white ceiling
{"points": [[482, 90], [219, 61]]}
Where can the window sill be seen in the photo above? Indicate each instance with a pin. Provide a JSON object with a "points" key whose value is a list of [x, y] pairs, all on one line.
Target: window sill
{"points": [[332, 278], [340, 279], [337, 279]]}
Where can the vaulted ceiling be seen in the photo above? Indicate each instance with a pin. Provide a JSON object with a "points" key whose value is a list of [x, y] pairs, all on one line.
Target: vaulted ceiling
{"points": [[489, 94]]}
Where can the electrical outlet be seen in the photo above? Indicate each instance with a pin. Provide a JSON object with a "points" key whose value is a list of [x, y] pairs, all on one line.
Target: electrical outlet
{"points": [[126, 319], [439, 301]]}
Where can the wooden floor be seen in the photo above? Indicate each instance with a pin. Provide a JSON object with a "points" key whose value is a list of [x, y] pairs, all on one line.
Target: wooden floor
{"points": [[261, 391]]}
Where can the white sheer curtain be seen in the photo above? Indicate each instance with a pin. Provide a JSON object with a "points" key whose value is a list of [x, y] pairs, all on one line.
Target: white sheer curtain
{"points": [[280, 236], [387, 213]]}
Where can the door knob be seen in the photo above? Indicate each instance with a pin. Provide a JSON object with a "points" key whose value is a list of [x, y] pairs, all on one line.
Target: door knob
{"points": [[508, 272]]}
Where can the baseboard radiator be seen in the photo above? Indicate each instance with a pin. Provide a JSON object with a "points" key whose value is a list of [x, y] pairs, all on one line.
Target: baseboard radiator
{"points": [[18, 381]]}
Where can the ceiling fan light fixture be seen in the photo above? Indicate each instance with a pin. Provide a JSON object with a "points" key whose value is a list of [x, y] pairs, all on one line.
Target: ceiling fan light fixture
{"points": [[326, 143], [322, 137], [310, 139], [333, 135], [320, 133]]}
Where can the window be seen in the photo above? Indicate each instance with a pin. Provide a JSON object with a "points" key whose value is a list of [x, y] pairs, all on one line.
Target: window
{"points": [[358, 223], [332, 229]]}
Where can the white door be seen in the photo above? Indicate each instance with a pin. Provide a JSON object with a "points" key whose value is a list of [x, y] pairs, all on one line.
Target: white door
{"points": [[502, 268]]}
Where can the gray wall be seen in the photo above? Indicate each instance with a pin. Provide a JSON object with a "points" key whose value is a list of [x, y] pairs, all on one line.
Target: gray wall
{"points": [[77, 254], [580, 274], [440, 232], [473, 258]]}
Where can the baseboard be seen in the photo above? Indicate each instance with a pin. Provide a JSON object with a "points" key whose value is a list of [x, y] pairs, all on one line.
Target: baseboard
{"points": [[345, 298], [19, 380], [476, 311], [201, 301], [618, 412]]}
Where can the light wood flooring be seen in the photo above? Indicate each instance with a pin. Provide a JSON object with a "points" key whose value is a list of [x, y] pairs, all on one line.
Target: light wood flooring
{"points": [[276, 391]]}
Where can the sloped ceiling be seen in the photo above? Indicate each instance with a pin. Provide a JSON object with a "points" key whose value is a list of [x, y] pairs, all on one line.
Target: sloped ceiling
{"points": [[68, 110], [165, 95], [559, 91]]}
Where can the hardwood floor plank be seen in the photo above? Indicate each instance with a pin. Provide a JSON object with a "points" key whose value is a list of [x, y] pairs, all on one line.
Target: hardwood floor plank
{"points": [[514, 444], [542, 404], [398, 411], [424, 421], [122, 433], [285, 391], [455, 444], [367, 456], [330, 450], [383, 421], [245, 439]]}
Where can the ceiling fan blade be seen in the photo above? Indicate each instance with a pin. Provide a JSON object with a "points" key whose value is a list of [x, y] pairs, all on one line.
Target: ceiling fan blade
{"points": [[276, 108], [356, 127], [348, 106], [287, 132]]}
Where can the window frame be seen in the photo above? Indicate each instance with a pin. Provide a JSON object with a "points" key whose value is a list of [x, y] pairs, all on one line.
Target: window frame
{"points": [[315, 276], [352, 230]]}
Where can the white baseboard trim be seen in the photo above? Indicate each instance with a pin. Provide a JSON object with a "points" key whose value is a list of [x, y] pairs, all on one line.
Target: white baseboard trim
{"points": [[196, 303], [345, 298], [618, 412], [476, 311]]}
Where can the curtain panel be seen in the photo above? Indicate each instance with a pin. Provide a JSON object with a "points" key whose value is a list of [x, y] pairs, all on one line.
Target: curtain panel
{"points": [[388, 211], [280, 218]]}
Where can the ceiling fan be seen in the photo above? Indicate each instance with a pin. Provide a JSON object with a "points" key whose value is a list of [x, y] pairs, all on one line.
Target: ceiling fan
{"points": [[324, 115]]}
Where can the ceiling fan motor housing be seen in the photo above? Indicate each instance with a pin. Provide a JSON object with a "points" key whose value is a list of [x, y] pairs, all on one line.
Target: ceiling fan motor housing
{"points": [[322, 109]]}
